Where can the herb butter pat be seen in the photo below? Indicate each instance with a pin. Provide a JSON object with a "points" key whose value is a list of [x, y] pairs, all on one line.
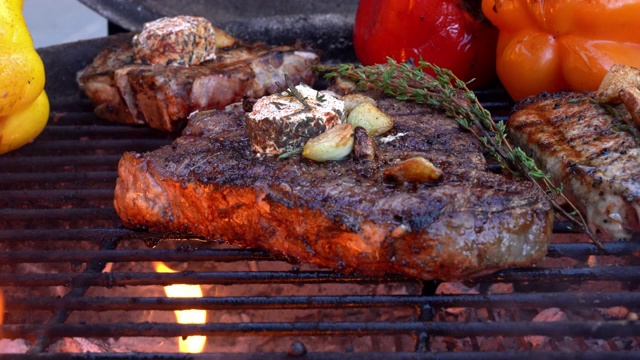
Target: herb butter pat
{"points": [[282, 122]]}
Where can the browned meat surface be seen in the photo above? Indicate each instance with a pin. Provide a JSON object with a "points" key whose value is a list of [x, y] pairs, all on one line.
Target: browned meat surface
{"points": [[163, 96], [340, 214], [180, 40], [584, 146], [100, 85]]}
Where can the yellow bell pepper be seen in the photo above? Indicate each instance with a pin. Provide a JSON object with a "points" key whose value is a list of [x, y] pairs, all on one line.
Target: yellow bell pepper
{"points": [[24, 106]]}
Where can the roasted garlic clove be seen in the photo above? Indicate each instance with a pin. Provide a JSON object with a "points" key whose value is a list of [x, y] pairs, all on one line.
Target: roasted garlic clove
{"points": [[353, 100], [344, 85], [223, 39], [617, 78], [333, 144], [630, 97], [416, 170], [364, 147], [374, 120]]}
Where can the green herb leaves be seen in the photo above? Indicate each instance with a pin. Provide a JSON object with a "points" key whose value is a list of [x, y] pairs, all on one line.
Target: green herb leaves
{"points": [[445, 91]]}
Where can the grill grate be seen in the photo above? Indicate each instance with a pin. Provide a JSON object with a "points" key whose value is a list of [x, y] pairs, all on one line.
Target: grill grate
{"points": [[69, 269]]}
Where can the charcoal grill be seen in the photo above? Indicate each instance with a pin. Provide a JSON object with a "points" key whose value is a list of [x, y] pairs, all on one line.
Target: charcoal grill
{"points": [[69, 269]]}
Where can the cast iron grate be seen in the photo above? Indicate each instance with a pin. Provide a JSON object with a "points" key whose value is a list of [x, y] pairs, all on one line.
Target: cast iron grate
{"points": [[68, 269]]}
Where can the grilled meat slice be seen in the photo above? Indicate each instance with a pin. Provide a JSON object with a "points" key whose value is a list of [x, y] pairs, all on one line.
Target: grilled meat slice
{"points": [[100, 84], [163, 96], [584, 147], [340, 214], [180, 40]]}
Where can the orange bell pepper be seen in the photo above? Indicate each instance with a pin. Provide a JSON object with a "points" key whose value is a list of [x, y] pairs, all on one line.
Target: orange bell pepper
{"points": [[555, 45]]}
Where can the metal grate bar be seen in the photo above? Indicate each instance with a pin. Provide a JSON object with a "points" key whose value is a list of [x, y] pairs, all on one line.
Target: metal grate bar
{"points": [[47, 162], [426, 313], [57, 195], [495, 104], [45, 235], [621, 273], [590, 329], [581, 250], [513, 300], [489, 355], [77, 147], [93, 177], [71, 104], [187, 277], [98, 131], [617, 273], [59, 214], [75, 256], [57, 256], [78, 290]]}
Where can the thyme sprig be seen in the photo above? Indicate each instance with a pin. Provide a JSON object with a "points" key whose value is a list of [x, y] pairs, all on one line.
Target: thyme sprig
{"points": [[290, 89], [291, 153], [445, 91]]}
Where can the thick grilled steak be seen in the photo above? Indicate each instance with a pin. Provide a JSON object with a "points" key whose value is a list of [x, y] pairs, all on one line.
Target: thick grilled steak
{"points": [[340, 214], [584, 146], [163, 96]]}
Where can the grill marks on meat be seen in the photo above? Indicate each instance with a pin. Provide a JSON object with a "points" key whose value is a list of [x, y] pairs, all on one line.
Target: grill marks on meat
{"points": [[163, 96], [340, 214], [583, 146]]}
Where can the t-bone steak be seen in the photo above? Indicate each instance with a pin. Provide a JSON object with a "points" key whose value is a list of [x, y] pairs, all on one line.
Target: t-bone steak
{"points": [[341, 214], [162, 97]]}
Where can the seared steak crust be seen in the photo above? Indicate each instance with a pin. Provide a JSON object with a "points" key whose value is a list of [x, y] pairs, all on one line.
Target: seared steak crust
{"points": [[340, 214], [584, 146], [163, 96]]}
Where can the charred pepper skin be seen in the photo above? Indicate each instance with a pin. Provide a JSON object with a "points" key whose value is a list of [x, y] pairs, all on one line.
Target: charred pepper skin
{"points": [[564, 44], [24, 106]]}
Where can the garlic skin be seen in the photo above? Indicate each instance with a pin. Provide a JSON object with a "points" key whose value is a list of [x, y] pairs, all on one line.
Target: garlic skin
{"points": [[333, 144]]}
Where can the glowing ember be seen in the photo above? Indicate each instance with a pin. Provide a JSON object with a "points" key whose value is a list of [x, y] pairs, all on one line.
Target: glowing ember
{"points": [[191, 344]]}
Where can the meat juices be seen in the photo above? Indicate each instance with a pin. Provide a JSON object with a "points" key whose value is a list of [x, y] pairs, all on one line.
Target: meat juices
{"points": [[341, 214]]}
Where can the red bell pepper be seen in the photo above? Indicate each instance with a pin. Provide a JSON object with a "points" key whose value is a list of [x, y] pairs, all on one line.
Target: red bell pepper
{"points": [[452, 34]]}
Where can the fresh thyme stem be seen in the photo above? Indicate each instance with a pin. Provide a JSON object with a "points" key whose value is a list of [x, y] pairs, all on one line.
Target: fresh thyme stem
{"points": [[292, 91], [445, 91]]}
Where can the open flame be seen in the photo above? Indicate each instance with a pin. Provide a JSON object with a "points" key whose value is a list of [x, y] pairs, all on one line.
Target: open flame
{"points": [[191, 344]]}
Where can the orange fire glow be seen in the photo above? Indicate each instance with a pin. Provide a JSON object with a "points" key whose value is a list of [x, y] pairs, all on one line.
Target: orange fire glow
{"points": [[1, 307], [191, 344]]}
